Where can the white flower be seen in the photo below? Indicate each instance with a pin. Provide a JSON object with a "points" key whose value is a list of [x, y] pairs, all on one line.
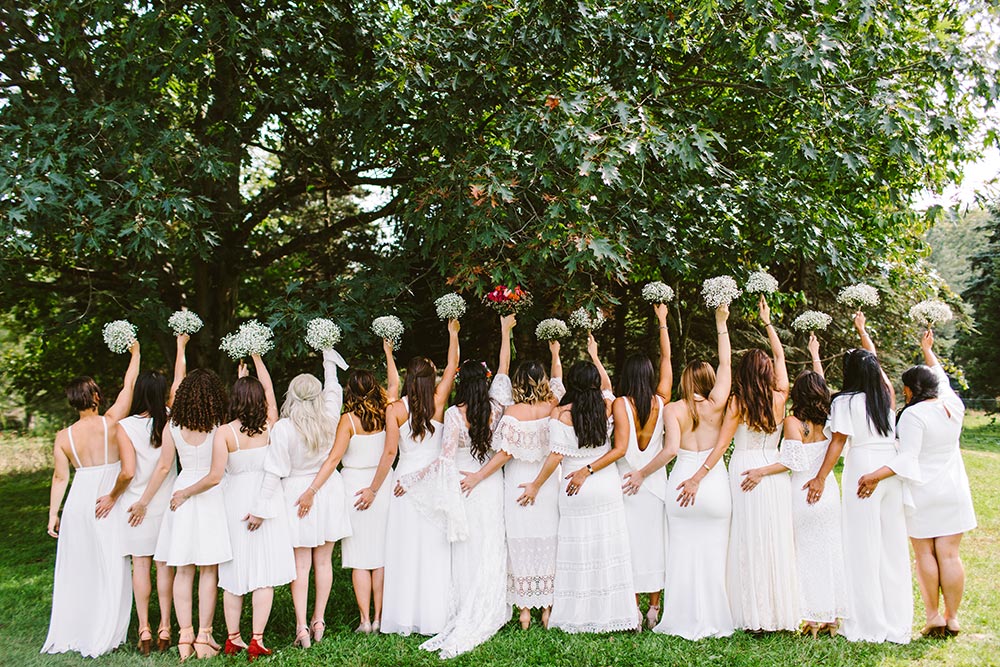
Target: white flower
{"points": [[858, 295], [761, 282], [119, 335], [450, 307], [718, 291], [389, 327], [251, 338], [551, 329], [812, 320], [582, 319], [322, 334], [657, 292], [184, 322], [931, 312]]}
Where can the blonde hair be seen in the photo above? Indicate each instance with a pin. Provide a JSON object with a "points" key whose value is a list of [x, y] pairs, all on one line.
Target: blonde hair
{"points": [[530, 384], [305, 408]]}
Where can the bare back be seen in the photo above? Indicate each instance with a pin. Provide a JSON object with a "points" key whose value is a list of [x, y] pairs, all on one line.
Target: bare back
{"points": [[710, 418], [83, 443]]}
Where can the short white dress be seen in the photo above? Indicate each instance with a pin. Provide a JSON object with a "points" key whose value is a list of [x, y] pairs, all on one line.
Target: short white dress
{"points": [[262, 558], [819, 551], [761, 573], [92, 583], [594, 591], [941, 497], [364, 549], [141, 540], [646, 511], [197, 532]]}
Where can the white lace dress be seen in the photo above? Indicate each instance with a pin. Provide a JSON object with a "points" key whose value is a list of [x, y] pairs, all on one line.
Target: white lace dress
{"points": [[478, 606], [141, 540], [819, 550], [646, 510], [594, 591], [761, 573], [423, 523]]}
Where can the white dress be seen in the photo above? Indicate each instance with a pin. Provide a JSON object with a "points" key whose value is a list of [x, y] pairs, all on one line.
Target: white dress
{"points": [[422, 524], [92, 583], [291, 465], [261, 558], [929, 432], [646, 511], [365, 548], [594, 591], [876, 552], [761, 573], [141, 540], [819, 551], [532, 529], [478, 607], [197, 532], [695, 601]]}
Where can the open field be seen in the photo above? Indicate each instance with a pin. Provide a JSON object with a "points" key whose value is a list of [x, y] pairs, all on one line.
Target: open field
{"points": [[28, 554]]}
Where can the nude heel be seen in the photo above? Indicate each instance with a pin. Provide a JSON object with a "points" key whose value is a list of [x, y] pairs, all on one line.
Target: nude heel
{"points": [[186, 648]]}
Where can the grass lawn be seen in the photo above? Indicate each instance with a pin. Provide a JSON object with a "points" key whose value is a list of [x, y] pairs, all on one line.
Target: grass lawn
{"points": [[28, 554]]}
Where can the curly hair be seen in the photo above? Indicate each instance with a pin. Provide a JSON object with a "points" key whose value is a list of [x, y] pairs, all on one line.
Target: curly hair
{"points": [[474, 393], [810, 398], [530, 384], [200, 402], [753, 387], [365, 398], [248, 403]]}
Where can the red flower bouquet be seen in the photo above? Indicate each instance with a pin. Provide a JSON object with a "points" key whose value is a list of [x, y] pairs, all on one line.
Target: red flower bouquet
{"points": [[507, 300]]}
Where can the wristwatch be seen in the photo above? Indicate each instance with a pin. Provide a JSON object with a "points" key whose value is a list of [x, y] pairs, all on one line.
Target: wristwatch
{"points": [[590, 469]]}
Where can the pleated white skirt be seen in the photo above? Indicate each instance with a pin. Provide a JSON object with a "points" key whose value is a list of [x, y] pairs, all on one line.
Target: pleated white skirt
{"points": [[327, 521], [197, 532]]}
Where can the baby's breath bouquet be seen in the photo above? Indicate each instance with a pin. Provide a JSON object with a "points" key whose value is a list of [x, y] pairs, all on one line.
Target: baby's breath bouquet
{"points": [[450, 307], [252, 338], [581, 318], [119, 335], [718, 291], [856, 296], [322, 334], [812, 320], [184, 322], [761, 282], [657, 292], [931, 313], [390, 328], [551, 329]]}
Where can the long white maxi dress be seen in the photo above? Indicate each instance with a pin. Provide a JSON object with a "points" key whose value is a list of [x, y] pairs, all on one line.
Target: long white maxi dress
{"points": [[92, 586], [646, 511], [761, 574], [594, 591], [818, 531], [929, 432], [478, 606], [695, 600], [876, 552], [532, 529], [262, 558], [365, 548], [141, 540], [423, 523]]}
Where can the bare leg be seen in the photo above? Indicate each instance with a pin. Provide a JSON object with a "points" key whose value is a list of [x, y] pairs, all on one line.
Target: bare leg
{"points": [[378, 577], [164, 593], [142, 588], [300, 589], [232, 608], [323, 575], [928, 579], [262, 599], [362, 580], [208, 588], [183, 592], [952, 576]]}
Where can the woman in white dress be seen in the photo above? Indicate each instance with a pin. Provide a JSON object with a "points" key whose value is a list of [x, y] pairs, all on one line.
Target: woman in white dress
{"points": [[142, 430], [638, 416], [818, 546], [300, 442], [360, 445], [91, 589], [929, 428], [876, 558], [262, 548], [696, 604], [426, 512], [521, 442], [593, 588]]}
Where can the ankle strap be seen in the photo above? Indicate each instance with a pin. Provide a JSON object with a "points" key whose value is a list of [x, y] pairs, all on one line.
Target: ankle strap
{"points": [[233, 635]]}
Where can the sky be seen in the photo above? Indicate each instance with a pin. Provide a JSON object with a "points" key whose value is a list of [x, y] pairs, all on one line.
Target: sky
{"points": [[981, 177]]}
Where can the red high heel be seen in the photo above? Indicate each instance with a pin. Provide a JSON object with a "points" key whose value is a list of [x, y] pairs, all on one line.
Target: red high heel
{"points": [[232, 648], [256, 648]]}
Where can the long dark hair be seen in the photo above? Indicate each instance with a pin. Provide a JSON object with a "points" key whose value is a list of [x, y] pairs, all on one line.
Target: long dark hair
{"points": [[923, 386], [753, 389], [810, 398], [636, 382], [419, 388], [248, 403], [150, 397], [473, 391], [589, 413], [365, 398], [863, 375]]}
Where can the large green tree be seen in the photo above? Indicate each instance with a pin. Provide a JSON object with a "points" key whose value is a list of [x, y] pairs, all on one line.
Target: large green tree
{"points": [[979, 350]]}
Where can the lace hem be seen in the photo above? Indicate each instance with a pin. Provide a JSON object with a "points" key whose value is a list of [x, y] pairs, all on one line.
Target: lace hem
{"points": [[615, 625], [531, 566]]}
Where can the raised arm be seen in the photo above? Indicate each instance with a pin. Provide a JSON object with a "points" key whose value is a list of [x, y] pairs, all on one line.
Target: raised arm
{"points": [[180, 366], [220, 453], [866, 340], [592, 351], [60, 479], [123, 403], [443, 390], [777, 351], [724, 374], [265, 380], [340, 443], [817, 363], [927, 347], [555, 370], [126, 454], [333, 393], [666, 383], [391, 372], [689, 487], [507, 323], [137, 512]]}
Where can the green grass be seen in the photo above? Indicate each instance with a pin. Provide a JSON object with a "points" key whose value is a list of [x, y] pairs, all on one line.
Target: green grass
{"points": [[27, 557]]}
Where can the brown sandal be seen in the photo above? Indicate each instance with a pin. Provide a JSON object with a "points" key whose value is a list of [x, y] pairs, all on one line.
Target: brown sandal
{"points": [[144, 644], [163, 642]]}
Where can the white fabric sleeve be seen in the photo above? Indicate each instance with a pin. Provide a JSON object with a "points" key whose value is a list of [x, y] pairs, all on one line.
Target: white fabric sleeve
{"points": [[793, 456], [501, 390], [557, 387], [435, 490], [277, 465], [906, 463], [333, 393], [947, 395], [841, 420], [608, 395]]}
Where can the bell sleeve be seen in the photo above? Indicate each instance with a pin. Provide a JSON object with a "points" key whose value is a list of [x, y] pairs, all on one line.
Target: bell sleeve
{"points": [[906, 463]]}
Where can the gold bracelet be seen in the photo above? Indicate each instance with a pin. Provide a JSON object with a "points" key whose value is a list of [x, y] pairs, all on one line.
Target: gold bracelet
{"points": [[723, 333], [705, 466], [313, 489]]}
